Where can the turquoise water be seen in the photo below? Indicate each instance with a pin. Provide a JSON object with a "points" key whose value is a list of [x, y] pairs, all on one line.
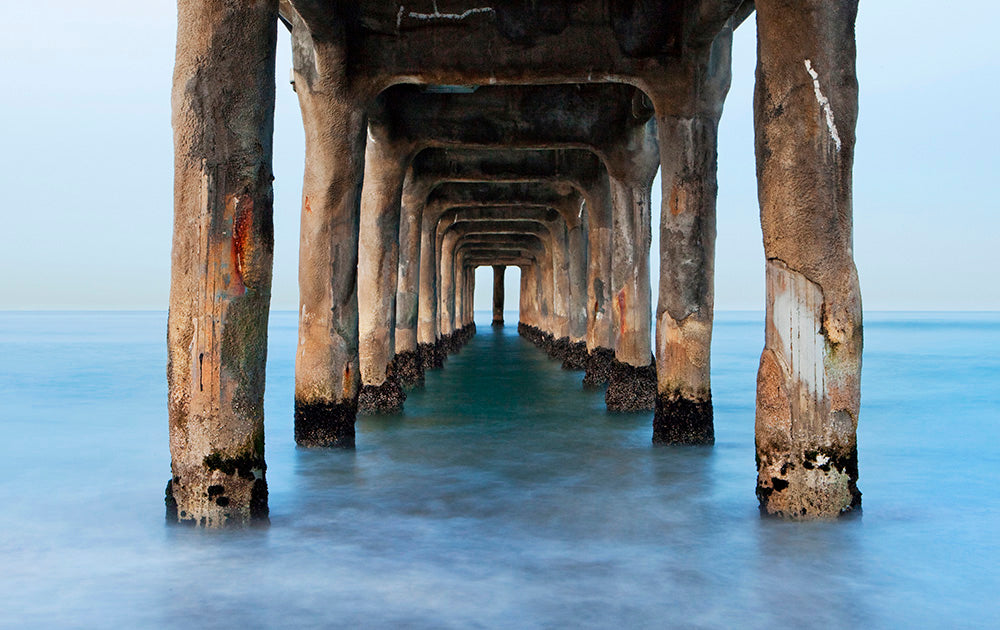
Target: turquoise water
{"points": [[503, 497]]}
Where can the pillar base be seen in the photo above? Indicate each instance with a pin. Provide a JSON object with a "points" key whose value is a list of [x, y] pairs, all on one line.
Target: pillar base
{"points": [[810, 484], [385, 398], [498, 323], [631, 388], [221, 493], [680, 420], [325, 424], [576, 356], [431, 355], [408, 366], [532, 334], [454, 342], [598, 367], [559, 348], [450, 344]]}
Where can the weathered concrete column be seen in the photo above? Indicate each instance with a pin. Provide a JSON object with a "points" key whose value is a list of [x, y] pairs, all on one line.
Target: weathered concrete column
{"points": [[687, 259], [576, 357], [632, 385], [428, 331], [327, 376], [408, 365], [446, 282], [688, 139], [460, 279], [562, 292], [378, 267], [808, 386], [498, 273], [600, 325], [527, 302], [220, 290]]}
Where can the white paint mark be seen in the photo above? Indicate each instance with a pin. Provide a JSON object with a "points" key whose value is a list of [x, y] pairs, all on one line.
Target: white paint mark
{"points": [[824, 104], [437, 15], [795, 313]]}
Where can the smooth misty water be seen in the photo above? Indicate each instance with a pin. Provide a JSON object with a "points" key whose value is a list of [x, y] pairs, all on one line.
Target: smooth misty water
{"points": [[503, 496]]}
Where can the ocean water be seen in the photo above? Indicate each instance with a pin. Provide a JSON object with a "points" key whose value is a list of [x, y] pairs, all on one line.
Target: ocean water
{"points": [[503, 497]]}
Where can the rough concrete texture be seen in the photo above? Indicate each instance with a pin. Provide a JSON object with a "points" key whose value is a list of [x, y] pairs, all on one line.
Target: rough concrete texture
{"points": [[221, 261], [631, 388]]}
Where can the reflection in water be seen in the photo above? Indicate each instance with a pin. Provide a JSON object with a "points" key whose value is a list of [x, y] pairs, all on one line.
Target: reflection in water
{"points": [[503, 496]]}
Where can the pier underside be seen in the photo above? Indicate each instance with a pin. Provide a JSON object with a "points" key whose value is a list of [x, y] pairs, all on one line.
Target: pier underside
{"points": [[445, 136]]}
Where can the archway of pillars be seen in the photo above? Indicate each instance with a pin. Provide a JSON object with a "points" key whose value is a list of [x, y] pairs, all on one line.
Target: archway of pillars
{"points": [[533, 116], [218, 319], [536, 243], [579, 168], [542, 120], [480, 232]]}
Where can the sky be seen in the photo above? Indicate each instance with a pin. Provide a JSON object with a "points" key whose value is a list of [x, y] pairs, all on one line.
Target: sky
{"points": [[86, 163]]}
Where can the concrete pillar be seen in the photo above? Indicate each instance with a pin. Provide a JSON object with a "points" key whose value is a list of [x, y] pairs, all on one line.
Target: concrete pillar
{"points": [[526, 307], [632, 385], [327, 375], [562, 292], [446, 293], [378, 268], [223, 115], [808, 386], [687, 257], [428, 331], [498, 273], [688, 141], [460, 279], [600, 330], [576, 357], [408, 365]]}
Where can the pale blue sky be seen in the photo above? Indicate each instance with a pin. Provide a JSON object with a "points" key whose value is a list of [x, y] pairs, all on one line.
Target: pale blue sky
{"points": [[86, 162]]}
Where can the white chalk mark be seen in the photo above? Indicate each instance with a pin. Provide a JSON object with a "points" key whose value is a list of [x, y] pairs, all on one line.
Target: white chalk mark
{"points": [[824, 104], [437, 15]]}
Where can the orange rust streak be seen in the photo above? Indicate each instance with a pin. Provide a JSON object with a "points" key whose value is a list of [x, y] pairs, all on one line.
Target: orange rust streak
{"points": [[242, 234], [675, 200], [347, 381], [621, 309], [308, 207]]}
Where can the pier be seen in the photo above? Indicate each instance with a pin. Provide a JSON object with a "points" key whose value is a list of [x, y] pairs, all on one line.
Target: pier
{"points": [[444, 136]]}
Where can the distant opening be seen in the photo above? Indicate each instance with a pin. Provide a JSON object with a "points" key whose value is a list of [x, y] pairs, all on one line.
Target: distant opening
{"points": [[483, 298]]}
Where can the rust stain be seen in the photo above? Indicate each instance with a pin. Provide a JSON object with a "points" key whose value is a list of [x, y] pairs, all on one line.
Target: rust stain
{"points": [[308, 207], [242, 211], [621, 309], [347, 381], [676, 199]]}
